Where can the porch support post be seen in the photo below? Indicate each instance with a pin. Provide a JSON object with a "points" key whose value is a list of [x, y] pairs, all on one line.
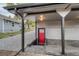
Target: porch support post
{"points": [[36, 30], [23, 34], [22, 15], [63, 13], [23, 31], [62, 36]]}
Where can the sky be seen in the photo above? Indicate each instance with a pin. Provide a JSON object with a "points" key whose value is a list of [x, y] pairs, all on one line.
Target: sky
{"points": [[4, 11]]}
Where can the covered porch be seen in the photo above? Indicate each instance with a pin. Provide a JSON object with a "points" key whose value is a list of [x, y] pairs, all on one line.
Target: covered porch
{"points": [[56, 30]]}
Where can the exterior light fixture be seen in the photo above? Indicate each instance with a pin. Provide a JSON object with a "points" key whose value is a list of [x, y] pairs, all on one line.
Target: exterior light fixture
{"points": [[41, 17]]}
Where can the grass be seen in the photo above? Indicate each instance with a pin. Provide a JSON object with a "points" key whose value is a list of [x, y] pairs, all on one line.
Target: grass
{"points": [[30, 29], [9, 34]]}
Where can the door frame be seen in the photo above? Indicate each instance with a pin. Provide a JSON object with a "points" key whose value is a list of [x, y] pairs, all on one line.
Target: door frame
{"points": [[44, 35]]}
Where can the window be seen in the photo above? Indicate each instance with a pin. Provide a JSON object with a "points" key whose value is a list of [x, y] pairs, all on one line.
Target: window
{"points": [[13, 24], [6, 21]]}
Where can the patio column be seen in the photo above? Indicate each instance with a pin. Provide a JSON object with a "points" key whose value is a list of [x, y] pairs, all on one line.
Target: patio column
{"points": [[36, 30], [22, 15], [23, 31], [23, 34], [62, 35], [63, 13]]}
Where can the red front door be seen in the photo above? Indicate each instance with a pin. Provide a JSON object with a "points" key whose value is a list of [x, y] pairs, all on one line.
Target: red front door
{"points": [[41, 36]]}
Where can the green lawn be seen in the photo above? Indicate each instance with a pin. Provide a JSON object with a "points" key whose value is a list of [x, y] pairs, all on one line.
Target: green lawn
{"points": [[8, 34]]}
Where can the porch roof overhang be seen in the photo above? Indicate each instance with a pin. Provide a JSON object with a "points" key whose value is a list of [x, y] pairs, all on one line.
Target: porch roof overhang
{"points": [[41, 8]]}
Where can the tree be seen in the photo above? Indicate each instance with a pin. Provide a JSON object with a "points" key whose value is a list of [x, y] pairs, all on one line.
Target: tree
{"points": [[10, 4], [17, 17], [30, 23]]}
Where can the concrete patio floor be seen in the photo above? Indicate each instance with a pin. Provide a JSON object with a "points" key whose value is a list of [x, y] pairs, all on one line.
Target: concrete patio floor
{"points": [[53, 48], [10, 46], [48, 50]]}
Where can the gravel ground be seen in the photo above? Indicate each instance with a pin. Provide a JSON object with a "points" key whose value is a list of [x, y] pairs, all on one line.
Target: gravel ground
{"points": [[30, 54], [13, 53], [54, 48], [7, 53], [51, 50]]}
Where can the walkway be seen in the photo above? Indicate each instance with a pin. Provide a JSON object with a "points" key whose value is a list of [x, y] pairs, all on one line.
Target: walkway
{"points": [[14, 43]]}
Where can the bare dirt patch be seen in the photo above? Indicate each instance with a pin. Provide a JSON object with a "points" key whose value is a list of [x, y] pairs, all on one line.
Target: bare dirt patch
{"points": [[7, 53]]}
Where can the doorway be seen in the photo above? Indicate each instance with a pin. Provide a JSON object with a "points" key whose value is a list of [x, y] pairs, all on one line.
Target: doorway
{"points": [[41, 36]]}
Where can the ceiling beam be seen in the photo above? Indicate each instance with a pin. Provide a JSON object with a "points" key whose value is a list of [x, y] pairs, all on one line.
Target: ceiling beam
{"points": [[51, 11], [31, 6], [44, 12], [40, 5]]}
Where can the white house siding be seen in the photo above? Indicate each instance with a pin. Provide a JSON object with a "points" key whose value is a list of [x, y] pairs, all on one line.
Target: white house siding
{"points": [[53, 29], [9, 28], [16, 27], [72, 29], [6, 26], [0, 25]]}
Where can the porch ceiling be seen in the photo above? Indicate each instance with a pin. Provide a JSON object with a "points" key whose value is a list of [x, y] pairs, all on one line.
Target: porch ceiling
{"points": [[38, 8], [47, 9], [73, 15]]}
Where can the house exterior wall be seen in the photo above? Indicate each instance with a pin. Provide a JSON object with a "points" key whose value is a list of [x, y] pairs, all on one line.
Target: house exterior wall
{"points": [[53, 29], [17, 27], [8, 24], [11, 26], [72, 29]]}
